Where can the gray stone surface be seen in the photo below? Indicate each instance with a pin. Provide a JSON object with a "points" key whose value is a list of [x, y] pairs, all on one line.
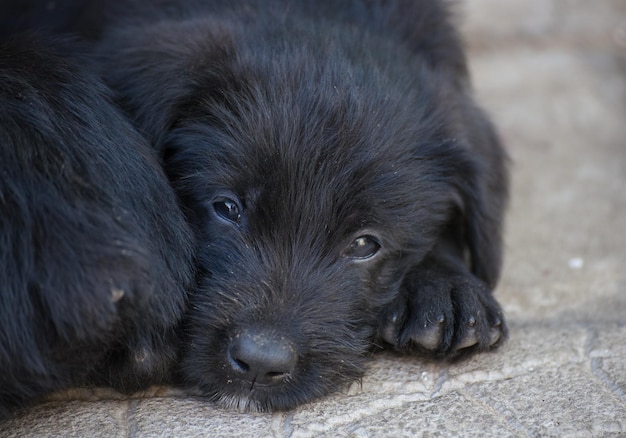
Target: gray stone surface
{"points": [[553, 75]]}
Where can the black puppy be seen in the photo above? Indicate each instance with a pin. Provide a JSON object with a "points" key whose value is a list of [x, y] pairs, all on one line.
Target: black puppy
{"points": [[95, 254], [343, 187]]}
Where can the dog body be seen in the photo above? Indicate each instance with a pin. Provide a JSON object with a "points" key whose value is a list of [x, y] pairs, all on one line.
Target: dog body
{"points": [[95, 255], [343, 187]]}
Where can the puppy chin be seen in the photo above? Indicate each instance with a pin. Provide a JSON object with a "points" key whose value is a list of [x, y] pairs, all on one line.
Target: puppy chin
{"points": [[244, 397], [254, 400]]}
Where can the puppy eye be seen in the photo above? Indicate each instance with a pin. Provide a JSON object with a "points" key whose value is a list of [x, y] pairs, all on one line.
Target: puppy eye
{"points": [[363, 247], [227, 209]]}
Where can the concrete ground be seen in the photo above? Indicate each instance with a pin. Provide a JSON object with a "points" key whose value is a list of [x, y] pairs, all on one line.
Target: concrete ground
{"points": [[553, 75]]}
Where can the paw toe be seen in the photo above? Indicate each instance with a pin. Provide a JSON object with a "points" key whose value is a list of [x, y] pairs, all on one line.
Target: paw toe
{"points": [[494, 336], [429, 336], [393, 322], [469, 339], [468, 335], [496, 332]]}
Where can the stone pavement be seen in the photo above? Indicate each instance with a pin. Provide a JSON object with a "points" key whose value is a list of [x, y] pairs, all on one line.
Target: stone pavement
{"points": [[553, 75]]}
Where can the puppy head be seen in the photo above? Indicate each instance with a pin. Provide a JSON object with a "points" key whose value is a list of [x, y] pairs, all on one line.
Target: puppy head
{"points": [[314, 180]]}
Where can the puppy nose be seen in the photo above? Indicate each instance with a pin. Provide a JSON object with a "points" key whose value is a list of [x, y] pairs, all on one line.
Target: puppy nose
{"points": [[262, 358]]}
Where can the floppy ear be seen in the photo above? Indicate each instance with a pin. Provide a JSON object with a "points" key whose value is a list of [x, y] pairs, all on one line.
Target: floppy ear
{"points": [[484, 196], [482, 224]]}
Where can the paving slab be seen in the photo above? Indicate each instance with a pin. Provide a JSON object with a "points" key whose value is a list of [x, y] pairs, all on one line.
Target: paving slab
{"points": [[552, 73]]}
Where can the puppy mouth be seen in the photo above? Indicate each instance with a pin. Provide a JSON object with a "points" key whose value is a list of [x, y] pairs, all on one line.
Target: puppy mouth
{"points": [[256, 384], [274, 363], [242, 395], [245, 387]]}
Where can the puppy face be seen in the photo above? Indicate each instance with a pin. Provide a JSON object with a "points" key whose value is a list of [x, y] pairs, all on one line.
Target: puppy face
{"points": [[314, 180], [300, 247], [310, 203]]}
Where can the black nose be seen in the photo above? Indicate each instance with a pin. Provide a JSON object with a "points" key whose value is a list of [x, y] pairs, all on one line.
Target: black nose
{"points": [[262, 357]]}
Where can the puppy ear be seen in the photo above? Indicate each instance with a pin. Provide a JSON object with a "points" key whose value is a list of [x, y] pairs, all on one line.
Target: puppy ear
{"points": [[484, 196], [482, 225]]}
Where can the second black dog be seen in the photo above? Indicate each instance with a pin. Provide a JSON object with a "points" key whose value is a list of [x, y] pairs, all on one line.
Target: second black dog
{"points": [[95, 254]]}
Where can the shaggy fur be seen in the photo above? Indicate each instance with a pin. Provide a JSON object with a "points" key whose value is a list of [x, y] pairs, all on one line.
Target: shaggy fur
{"points": [[343, 187], [344, 190], [95, 255]]}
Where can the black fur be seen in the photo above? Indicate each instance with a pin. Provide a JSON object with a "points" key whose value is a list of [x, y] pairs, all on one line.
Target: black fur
{"points": [[343, 188], [95, 254], [303, 137]]}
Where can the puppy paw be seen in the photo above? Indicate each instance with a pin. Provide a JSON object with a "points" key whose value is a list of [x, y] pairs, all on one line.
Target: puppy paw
{"points": [[444, 312]]}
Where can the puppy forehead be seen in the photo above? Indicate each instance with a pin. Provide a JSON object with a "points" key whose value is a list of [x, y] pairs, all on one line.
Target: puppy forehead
{"points": [[295, 160], [337, 142], [336, 189], [313, 186]]}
